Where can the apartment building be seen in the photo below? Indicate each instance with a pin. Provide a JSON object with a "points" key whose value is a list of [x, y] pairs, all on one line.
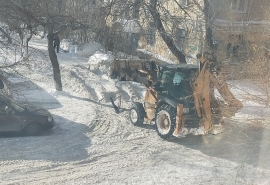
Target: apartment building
{"points": [[241, 27]]}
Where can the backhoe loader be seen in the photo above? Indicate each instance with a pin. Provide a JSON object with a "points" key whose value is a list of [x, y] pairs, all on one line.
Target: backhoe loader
{"points": [[132, 70], [182, 97]]}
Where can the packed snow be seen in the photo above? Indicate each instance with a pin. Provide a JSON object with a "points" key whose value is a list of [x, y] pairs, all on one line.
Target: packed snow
{"points": [[91, 144]]}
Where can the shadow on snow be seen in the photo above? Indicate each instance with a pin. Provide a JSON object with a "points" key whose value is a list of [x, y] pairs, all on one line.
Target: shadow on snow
{"points": [[243, 143], [64, 142]]}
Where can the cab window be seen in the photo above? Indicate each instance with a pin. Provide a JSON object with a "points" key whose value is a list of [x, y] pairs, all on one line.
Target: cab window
{"points": [[17, 106], [178, 77], [165, 80]]}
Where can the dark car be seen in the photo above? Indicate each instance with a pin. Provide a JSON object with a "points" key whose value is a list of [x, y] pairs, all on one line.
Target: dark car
{"points": [[17, 117]]}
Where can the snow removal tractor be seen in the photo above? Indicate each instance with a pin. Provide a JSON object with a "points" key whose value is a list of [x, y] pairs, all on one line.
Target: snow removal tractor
{"points": [[133, 70], [181, 98]]}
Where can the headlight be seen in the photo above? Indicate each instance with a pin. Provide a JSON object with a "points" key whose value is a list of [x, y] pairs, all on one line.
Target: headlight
{"points": [[50, 119]]}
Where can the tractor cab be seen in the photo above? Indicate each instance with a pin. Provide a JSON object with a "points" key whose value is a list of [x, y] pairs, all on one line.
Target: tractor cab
{"points": [[174, 85]]}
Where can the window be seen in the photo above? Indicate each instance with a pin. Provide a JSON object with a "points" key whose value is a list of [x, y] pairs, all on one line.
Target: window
{"points": [[178, 77], [177, 88], [239, 6], [165, 81], [17, 106], [184, 3], [234, 44]]}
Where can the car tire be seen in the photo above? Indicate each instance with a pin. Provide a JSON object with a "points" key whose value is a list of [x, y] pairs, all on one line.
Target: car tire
{"points": [[137, 114], [165, 121], [32, 129]]}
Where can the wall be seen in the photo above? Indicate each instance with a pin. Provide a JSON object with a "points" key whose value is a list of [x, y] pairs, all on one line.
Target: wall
{"points": [[251, 23]]}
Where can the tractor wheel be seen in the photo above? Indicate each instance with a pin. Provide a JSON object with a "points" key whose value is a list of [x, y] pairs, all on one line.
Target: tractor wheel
{"points": [[137, 114], [32, 129], [165, 121]]}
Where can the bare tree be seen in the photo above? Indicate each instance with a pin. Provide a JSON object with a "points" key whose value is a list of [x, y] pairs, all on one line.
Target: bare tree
{"points": [[56, 16], [167, 17], [152, 7]]}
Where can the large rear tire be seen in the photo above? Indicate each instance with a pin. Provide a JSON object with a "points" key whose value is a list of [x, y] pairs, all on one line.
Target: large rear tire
{"points": [[165, 121], [137, 114], [32, 129]]}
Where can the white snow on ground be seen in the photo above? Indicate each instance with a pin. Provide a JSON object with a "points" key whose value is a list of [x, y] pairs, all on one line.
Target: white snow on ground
{"points": [[91, 144], [89, 49]]}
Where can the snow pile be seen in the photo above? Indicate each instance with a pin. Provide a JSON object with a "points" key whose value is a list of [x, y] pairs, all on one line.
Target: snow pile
{"points": [[135, 90], [89, 49], [101, 62], [65, 44]]}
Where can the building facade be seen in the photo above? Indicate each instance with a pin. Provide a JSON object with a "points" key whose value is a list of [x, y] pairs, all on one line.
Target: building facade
{"points": [[241, 27]]}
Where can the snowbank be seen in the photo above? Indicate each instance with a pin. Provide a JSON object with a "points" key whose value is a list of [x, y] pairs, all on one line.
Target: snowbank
{"points": [[65, 44], [101, 62], [90, 49]]}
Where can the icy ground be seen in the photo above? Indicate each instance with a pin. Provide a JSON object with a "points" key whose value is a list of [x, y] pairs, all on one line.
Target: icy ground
{"points": [[91, 144]]}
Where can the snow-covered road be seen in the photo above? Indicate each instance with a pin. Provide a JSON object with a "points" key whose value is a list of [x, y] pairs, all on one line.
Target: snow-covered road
{"points": [[91, 144]]}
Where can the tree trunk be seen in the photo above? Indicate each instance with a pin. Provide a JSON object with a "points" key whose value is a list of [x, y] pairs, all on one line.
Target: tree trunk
{"points": [[54, 61], [209, 33], [27, 42], [19, 31], [136, 10], [165, 36]]}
